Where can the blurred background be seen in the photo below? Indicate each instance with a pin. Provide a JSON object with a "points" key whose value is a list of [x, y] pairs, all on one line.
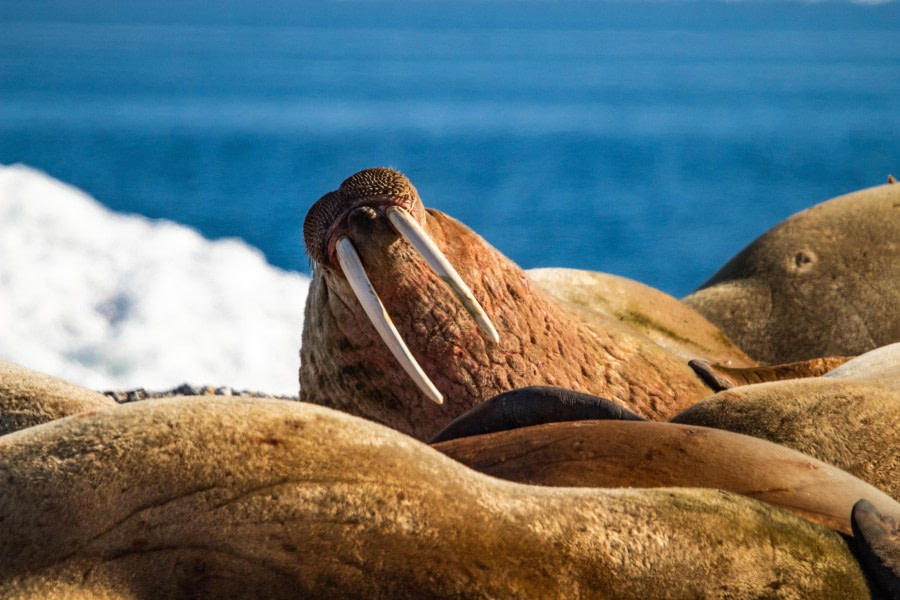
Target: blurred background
{"points": [[652, 140]]}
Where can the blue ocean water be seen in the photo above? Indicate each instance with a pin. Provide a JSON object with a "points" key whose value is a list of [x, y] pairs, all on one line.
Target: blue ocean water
{"points": [[652, 140]]}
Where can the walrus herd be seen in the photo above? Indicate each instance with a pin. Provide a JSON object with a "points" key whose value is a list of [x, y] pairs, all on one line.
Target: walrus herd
{"points": [[590, 436]]}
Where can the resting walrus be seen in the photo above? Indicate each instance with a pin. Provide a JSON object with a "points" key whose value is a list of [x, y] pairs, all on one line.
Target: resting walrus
{"points": [[849, 417], [29, 398], [634, 454], [244, 498], [542, 340], [824, 282]]}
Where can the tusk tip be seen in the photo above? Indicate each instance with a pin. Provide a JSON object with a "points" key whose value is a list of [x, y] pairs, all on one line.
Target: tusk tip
{"points": [[488, 329], [436, 397]]}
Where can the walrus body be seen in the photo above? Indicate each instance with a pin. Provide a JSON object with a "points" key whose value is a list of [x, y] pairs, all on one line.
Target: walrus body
{"points": [[543, 341], [634, 454], [666, 320], [825, 282], [849, 417], [217, 498], [530, 406], [29, 398]]}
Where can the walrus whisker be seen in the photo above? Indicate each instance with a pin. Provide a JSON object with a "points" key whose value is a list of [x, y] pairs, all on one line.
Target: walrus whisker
{"points": [[413, 233], [353, 270]]}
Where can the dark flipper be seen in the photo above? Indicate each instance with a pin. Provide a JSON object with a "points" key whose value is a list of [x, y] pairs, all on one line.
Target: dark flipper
{"points": [[878, 543], [722, 377], [533, 405]]}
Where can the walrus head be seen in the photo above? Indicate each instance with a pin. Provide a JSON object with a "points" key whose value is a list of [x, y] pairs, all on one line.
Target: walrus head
{"points": [[488, 330]]}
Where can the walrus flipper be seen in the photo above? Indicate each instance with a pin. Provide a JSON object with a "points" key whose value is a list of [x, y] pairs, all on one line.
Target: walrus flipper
{"points": [[723, 377], [533, 405], [878, 543]]}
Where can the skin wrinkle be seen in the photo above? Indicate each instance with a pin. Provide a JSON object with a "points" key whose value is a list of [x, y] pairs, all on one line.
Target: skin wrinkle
{"points": [[141, 509], [542, 461], [248, 558], [870, 339], [138, 510], [405, 487], [364, 356]]}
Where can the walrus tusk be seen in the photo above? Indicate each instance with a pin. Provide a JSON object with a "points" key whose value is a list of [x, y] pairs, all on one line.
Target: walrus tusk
{"points": [[413, 233], [353, 270]]}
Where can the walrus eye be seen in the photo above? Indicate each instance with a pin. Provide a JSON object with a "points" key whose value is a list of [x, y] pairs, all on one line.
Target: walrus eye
{"points": [[413, 233], [353, 270]]}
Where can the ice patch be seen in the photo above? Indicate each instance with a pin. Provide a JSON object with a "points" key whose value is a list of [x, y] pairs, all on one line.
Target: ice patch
{"points": [[113, 301]]}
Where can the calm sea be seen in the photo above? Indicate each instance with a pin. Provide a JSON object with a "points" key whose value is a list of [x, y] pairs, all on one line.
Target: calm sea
{"points": [[648, 140]]}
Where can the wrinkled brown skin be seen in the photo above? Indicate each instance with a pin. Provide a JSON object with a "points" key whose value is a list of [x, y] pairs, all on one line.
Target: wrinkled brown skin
{"points": [[240, 498], [849, 418], [29, 398], [631, 454], [344, 364], [825, 282]]}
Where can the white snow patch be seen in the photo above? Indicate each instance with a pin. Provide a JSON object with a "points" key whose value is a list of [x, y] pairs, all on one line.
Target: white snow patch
{"points": [[113, 301]]}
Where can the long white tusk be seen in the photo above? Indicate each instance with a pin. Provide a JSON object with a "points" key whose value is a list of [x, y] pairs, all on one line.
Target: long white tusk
{"points": [[413, 233], [353, 270]]}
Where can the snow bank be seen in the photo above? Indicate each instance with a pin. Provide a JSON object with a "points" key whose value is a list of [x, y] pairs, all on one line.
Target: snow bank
{"points": [[110, 300]]}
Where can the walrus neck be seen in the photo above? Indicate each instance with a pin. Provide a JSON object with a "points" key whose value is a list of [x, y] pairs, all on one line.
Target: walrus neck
{"points": [[345, 365], [546, 342]]}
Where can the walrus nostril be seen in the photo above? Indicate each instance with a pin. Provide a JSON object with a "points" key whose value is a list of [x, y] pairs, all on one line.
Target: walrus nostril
{"points": [[362, 220]]}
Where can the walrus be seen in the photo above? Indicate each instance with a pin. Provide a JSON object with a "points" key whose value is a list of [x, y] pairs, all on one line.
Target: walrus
{"points": [[635, 454], [367, 240], [747, 463], [849, 417], [237, 498], [529, 406], [29, 398], [661, 317], [824, 282]]}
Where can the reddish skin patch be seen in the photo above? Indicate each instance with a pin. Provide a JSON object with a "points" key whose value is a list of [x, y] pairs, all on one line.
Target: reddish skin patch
{"points": [[344, 364]]}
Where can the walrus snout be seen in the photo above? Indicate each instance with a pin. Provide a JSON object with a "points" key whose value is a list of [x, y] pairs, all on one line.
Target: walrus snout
{"points": [[374, 191], [367, 222]]}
